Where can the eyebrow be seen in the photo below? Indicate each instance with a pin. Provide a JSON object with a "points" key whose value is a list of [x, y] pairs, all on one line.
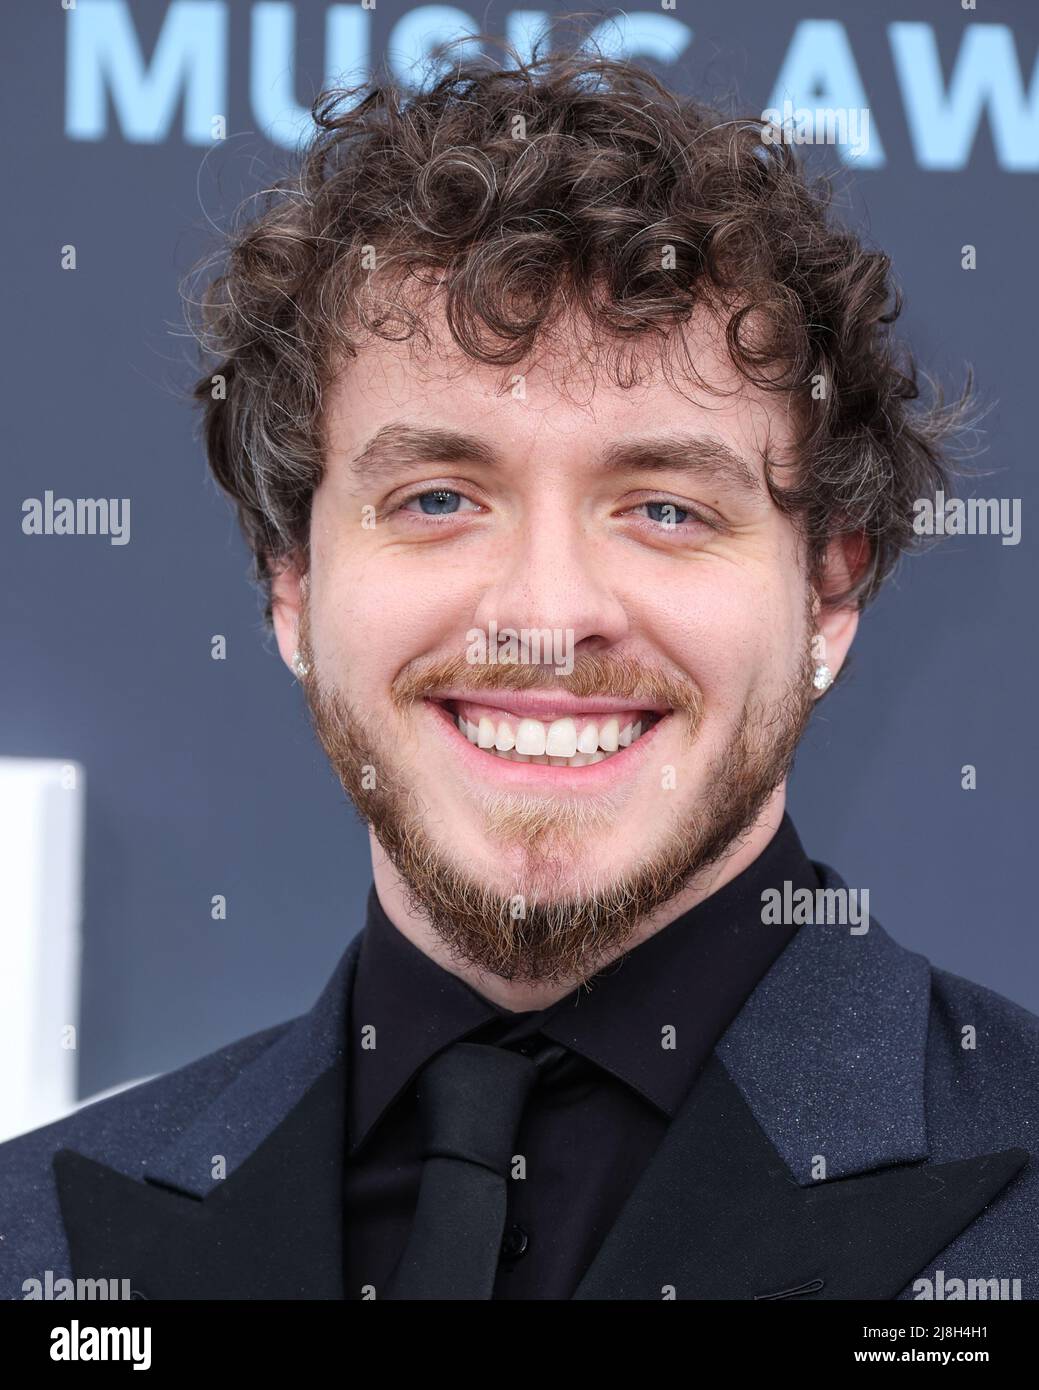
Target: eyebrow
{"points": [[699, 454], [399, 445]]}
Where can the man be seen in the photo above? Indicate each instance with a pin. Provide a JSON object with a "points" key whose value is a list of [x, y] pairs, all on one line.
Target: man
{"points": [[570, 439]]}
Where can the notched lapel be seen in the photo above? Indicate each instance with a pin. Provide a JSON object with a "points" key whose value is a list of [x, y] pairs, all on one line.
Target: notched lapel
{"points": [[718, 1215], [273, 1229]]}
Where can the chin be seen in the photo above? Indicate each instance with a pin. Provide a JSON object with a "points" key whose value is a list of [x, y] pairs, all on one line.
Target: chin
{"points": [[552, 870]]}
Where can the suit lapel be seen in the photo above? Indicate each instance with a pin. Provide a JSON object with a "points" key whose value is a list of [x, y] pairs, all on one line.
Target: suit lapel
{"points": [[823, 1066], [272, 1226], [796, 1167], [718, 1215]]}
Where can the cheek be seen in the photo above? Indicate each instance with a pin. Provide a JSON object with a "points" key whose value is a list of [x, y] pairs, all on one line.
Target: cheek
{"points": [[730, 637], [375, 617]]}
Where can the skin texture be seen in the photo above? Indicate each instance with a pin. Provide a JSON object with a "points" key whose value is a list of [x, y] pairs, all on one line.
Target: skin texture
{"points": [[716, 621]]}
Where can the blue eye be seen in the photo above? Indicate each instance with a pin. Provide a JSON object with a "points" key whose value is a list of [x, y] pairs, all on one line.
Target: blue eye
{"points": [[666, 513], [438, 502]]}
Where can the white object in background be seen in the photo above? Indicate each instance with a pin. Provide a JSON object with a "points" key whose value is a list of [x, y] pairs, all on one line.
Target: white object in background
{"points": [[41, 874], [110, 1091]]}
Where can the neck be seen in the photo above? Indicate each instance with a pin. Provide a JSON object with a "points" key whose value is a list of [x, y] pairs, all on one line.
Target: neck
{"points": [[521, 997]]}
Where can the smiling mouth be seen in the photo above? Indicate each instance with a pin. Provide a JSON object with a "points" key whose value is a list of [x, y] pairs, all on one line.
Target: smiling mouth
{"points": [[574, 740]]}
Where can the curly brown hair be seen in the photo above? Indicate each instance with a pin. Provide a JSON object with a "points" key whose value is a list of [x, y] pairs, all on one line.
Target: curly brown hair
{"points": [[565, 185]]}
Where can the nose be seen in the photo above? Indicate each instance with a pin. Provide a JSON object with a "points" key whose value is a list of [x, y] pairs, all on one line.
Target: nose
{"points": [[553, 575]]}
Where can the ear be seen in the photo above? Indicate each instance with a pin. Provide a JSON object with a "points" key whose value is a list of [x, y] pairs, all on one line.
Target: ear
{"points": [[286, 607], [836, 626]]}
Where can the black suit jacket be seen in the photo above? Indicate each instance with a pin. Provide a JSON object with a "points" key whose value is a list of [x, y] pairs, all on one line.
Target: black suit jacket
{"points": [[840, 1143]]}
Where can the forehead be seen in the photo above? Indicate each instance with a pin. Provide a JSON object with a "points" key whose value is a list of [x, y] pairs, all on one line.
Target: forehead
{"points": [[565, 401]]}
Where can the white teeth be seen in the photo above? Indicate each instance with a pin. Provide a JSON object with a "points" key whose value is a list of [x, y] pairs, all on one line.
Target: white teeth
{"points": [[562, 739], [531, 737], [589, 739], [558, 744]]}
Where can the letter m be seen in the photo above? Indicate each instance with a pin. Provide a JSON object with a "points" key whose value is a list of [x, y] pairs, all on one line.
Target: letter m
{"points": [[104, 58], [536, 643], [91, 1288]]}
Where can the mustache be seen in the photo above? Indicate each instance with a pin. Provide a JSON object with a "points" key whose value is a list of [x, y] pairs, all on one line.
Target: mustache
{"points": [[594, 674]]}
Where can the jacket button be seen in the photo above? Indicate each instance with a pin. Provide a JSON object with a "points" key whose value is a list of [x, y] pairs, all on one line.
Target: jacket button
{"points": [[514, 1242]]}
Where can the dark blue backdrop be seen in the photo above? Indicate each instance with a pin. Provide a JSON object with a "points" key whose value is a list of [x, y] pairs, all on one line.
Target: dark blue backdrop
{"points": [[203, 776]]}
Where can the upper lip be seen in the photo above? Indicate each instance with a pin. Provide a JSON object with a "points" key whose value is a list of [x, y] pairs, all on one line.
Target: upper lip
{"points": [[542, 704]]}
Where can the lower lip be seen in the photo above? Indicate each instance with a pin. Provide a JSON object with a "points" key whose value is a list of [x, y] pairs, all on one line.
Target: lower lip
{"points": [[593, 777]]}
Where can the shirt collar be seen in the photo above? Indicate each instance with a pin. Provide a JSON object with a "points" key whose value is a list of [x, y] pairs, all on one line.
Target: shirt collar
{"points": [[651, 1018]]}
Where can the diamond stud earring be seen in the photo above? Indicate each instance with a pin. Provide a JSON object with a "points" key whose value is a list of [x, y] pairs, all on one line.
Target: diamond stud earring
{"points": [[299, 665], [823, 678]]}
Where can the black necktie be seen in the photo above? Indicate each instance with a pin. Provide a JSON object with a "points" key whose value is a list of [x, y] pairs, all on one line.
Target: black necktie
{"points": [[470, 1097]]}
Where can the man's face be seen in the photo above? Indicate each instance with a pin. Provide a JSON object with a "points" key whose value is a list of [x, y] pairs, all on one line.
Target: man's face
{"points": [[670, 599]]}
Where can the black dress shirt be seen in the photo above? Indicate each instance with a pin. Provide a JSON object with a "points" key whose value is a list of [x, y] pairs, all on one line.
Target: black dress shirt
{"points": [[593, 1122]]}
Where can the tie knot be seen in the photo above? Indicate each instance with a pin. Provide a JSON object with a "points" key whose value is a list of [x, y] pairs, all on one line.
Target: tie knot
{"points": [[471, 1097]]}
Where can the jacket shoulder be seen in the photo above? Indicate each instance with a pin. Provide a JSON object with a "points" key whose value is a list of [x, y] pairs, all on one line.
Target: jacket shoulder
{"points": [[978, 1031], [982, 1066], [982, 1089], [124, 1130]]}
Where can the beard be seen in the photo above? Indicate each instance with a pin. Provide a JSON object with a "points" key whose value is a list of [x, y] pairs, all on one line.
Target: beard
{"points": [[551, 929]]}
